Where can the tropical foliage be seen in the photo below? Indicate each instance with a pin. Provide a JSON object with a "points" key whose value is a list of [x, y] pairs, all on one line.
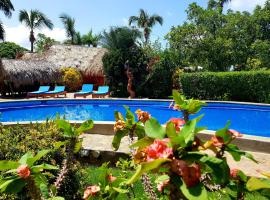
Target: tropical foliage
{"points": [[69, 24], [43, 42], [10, 50], [146, 22], [34, 19], [91, 39], [72, 78], [7, 7]]}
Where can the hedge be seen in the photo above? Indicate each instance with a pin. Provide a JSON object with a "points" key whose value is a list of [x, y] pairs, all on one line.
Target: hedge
{"points": [[251, 86]]}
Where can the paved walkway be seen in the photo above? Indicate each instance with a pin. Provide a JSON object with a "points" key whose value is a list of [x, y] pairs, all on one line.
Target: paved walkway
{"points": [[103, 143]]}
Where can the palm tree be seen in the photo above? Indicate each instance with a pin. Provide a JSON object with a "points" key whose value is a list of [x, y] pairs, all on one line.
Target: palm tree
{"points": [[120, 38], [146, 22], [34, 20], [91, 39], [69, 24], [7, 7]]}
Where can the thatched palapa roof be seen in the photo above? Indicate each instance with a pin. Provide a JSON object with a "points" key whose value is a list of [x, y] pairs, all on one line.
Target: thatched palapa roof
{"points": [[87, 60], [23, 72]]}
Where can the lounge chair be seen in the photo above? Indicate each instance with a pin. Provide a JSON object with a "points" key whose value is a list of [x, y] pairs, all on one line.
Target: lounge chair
{"points": [[58, 90], [39, 92], [101, 92], [87, 89]]}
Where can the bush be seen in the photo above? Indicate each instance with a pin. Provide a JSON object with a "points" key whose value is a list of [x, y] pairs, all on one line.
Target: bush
{"points": [[10, 50], [72, 78], [233, 86]]}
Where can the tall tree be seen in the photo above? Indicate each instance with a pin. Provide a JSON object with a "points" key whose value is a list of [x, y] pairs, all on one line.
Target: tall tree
{"points": [[91, 39], [7, 7], [146, 22], [34, 20], [69, 24]]}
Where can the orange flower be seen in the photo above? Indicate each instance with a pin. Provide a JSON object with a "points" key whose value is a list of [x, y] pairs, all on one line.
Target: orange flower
{"points": [[178, 123], [119, 125], [111, 178], [23, 171], [234, 133], [159, 149], [162, 185], [142, 115], [91, 191], [217, 141], [176, 107], [234, 173]]}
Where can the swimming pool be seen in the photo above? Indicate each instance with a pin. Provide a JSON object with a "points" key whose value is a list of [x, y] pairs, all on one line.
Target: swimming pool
{"points": [[246, 118]]}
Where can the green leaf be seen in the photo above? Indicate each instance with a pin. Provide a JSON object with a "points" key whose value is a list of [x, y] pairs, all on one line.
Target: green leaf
{"points": [[237, 154], [25, 157], [178, 98], [154, 130], [257, 184], [146, 141], [119, 190], [118, 116], [56, 198], [6, 165], [162, 178], [44, 191], [195, 106], [170, 130], [117, 138], [85, 126], [194, 193], [77, 147], [223, 133], [13, 186], [37, 157], [58, 145], [129, 116], [38, 168], [65, 127], [145, 167], [139, 131]]}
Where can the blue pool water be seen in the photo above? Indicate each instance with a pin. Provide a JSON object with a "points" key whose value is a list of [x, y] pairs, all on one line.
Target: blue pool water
{"points": [[248, 119]]}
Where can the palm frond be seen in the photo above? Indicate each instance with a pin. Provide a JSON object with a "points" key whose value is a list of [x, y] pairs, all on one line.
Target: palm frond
{"points": [[133, 19], [7, 7], [25, 18], [155, 19], [69, 24], [2, 31]]}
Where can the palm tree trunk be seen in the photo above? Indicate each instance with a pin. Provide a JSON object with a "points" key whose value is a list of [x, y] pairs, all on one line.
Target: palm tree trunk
{"points": [[146, 36], [32, 40]]}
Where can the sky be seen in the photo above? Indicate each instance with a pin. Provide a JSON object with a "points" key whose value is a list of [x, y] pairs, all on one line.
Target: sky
{"points": [[99, 15]]}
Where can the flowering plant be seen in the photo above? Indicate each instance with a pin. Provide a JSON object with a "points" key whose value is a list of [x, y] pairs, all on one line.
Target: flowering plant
{"points": [[186, 166]]}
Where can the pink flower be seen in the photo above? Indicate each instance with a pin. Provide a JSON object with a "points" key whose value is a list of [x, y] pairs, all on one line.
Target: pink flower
{"points": [[234, 173], [91, 191], [158, 149], [178, 123], [217, 141], [23, 171], [234, 133], [111, 178], [162, 185], [143, 116]]}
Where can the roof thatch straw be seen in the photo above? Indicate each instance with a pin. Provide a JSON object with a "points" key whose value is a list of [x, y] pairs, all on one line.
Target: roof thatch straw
{"points": [[23, 72], [87, 60]]}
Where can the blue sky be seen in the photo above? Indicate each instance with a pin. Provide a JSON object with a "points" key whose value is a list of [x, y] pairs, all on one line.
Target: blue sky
{"points": [[101, 14]]}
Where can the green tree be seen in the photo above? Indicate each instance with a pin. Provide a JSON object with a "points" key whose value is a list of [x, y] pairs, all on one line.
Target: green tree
{"points": [[43, 42], [69, 24], [78, 38], [146, 22], [34, 20], [91, 39], [7, 7], [9, 50]]}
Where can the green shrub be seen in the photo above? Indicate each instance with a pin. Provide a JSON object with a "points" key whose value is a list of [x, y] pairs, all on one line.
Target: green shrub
{"points": [[234, 86], [10, 50]]}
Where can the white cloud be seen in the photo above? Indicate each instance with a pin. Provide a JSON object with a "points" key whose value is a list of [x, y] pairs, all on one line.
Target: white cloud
{"points": [[20, 34], [247, 5]]}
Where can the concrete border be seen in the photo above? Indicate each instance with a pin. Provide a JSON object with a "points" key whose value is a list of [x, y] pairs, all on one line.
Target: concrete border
{"points": [[247, 142]]}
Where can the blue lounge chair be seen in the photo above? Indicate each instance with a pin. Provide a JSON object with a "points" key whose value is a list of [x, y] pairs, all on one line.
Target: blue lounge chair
{"points": [[40, 91], [58, 90], [101, 92], [87, 89]]}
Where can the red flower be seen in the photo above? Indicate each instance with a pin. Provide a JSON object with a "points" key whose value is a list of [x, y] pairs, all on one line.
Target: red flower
{"points": [[162, 185], [158, 149], [178, 123], [23, 171], [91, 191], [142, 115], [190, 174], [217, 141], [234, 173], [111, 178], [234, 133]]}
